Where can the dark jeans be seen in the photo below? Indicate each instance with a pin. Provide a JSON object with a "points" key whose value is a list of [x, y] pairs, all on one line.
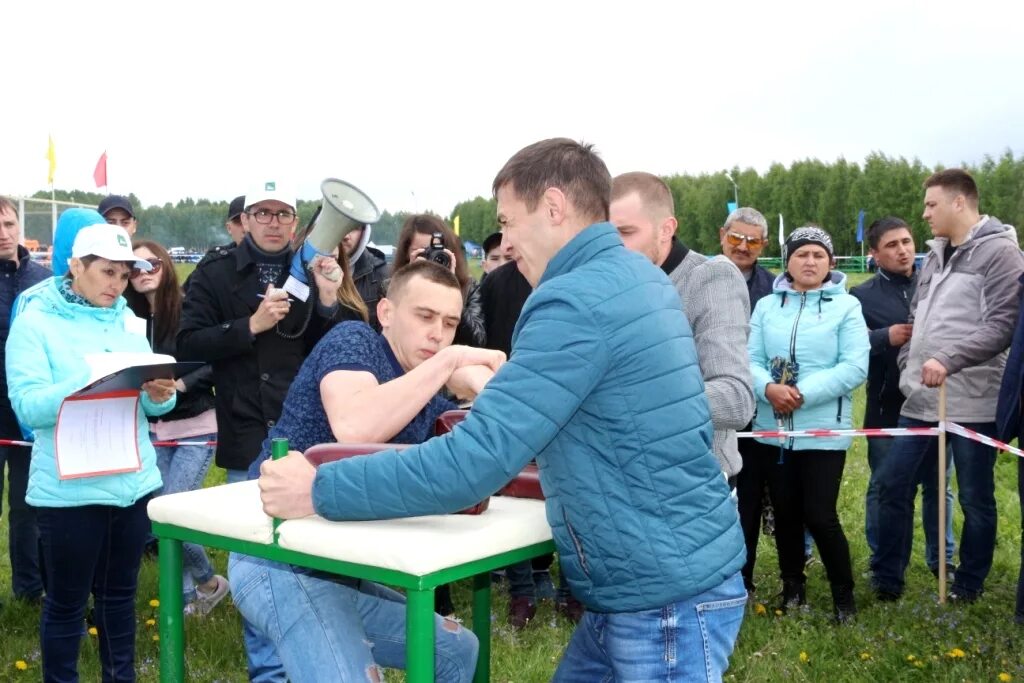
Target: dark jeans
{"points": [[522, 575], [26, 576], [759, 463], [91, 549], [913, 458], [1020, 579]]}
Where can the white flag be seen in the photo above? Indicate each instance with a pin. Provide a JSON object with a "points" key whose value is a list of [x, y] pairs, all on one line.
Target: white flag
{"points": [[782, 237]]}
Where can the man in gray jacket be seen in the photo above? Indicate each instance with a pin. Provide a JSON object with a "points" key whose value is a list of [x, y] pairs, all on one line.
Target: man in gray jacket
{"points": [[714, 297], [963, 314]]}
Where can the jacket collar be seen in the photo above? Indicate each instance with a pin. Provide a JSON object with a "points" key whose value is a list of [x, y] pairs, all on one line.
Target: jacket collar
{"points": [[10, 266], [247, 253], [896, 278], [582, 248], [675, 256]]}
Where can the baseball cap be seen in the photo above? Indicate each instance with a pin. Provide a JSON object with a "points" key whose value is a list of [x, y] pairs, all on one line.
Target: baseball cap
{"points": [[236, 207], [115, 201], [107, 241], [268, 191]]}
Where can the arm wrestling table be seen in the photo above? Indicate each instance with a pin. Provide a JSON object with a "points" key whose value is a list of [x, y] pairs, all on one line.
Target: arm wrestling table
{"points": [[415, 553]]}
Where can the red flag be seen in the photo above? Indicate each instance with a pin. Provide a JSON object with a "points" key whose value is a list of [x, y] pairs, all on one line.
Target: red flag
{"points": [[100, 174]]}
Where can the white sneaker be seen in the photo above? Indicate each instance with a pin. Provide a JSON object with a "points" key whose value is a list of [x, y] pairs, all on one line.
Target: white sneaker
{"points": [[205, 602]]}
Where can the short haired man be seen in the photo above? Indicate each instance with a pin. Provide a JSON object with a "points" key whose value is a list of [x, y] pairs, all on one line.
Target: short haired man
{"points": [[963, 313], [233, 223], [358, 386], [743, 238], [117, 210], [17, 273], [494, 255], [642, 518], [885, 303], [369, 269], [713, 297]]}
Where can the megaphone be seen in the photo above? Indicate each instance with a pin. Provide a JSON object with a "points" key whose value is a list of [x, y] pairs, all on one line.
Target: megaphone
{"points": [[345, 208]]}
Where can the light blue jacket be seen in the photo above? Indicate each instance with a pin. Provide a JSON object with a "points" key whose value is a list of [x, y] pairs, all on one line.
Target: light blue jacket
{"points": [[45, 363], [824, 331], [604, 389]]}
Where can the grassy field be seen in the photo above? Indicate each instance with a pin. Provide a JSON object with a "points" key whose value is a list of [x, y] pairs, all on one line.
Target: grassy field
{"points": [[913, 640]]}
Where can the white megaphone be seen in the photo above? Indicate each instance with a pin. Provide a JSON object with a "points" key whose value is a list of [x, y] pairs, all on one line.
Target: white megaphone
{"points": [[345, 208]]}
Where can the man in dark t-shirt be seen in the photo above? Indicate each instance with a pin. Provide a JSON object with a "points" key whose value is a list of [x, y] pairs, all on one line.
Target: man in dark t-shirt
{"points": [[358, 386]]}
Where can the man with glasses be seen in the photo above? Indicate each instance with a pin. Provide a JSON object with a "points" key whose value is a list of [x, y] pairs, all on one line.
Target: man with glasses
{"points": [[117, 210], [743, 238]]}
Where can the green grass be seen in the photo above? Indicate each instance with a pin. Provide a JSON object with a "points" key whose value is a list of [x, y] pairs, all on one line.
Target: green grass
{"points": [[877, 647]]}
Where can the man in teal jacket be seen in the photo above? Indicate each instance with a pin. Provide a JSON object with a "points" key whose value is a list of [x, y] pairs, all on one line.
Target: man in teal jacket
{"points": [[604, 389]]}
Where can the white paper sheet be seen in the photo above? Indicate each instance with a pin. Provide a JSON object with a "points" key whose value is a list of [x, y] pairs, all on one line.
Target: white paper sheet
{"points": [[97, 436], [103, 364]]}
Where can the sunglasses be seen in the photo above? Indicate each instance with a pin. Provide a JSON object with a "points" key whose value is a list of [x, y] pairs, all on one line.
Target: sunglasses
{"points": [[157, 267], [736, 239]]}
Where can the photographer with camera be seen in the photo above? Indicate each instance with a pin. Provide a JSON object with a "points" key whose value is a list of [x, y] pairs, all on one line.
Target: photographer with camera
{"points": [[428, 237]]}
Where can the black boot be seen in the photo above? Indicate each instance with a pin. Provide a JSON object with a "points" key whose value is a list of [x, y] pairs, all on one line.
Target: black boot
{"points": [[794, 594], [844, 603]]}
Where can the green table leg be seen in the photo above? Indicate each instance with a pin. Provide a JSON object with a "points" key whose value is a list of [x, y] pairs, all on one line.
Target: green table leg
{"points": [[419, 634], [482, 625], [172, 618]]}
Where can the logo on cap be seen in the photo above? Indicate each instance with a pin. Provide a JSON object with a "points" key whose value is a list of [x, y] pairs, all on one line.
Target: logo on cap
{"points": [[121, 241], [270, 186]]}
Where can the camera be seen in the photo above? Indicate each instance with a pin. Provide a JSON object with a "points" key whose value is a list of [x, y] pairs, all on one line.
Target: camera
{"points": [[436, 251]]}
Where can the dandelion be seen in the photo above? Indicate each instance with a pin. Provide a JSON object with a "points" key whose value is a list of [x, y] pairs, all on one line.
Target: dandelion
{"points": [[150, 622], [865, 656], [22, 665], [154, 603], [804, 657], [956, 653], [1005, 677], [156, 638], [919, 664], [911, 658], [778, 613], [760, 610], [93, 631]]}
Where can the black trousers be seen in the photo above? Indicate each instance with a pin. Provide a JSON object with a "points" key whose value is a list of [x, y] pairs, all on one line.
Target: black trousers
{"points": [[804, 488]]}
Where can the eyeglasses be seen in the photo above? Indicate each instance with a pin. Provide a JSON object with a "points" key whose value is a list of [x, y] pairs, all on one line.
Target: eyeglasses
{"points": [[736, 239], [157, 267], [265, 216]]}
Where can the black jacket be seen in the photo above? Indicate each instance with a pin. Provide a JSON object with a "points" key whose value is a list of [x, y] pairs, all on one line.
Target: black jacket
{"points": [[370, 273], [759, 285], [885, 300], [251, 375], [502, 295], [15, 278]]}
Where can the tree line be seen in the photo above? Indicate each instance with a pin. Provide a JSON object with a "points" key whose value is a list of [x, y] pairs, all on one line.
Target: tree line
{"points": [[807, 191]]}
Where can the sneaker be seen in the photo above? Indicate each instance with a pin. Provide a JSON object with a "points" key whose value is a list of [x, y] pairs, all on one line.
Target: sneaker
{"points": [[205, 602], [844, 603], [794, 594], [884, 595], [570, 608], [950, 572], [959, 596], [520, 611]]}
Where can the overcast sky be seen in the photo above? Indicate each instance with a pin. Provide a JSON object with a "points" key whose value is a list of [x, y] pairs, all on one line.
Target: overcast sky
{"points": [[420, 104]]}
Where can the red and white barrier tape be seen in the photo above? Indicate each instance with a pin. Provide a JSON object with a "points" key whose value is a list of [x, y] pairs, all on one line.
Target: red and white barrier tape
{"points": [[168, 444], [954, 428], [826, 433]]}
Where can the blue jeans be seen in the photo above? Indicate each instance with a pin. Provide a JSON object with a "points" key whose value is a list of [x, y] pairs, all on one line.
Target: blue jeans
{"points": [[326, 630], [878, 450], [91, 549], [689, 640], [913, 458], [235, 476], [183, 468], [23, 533]]}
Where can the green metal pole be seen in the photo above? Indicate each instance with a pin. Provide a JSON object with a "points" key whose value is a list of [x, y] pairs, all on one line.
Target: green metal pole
{"points": [[172, 617], [419, 635], [482, 625], [278, 449]]}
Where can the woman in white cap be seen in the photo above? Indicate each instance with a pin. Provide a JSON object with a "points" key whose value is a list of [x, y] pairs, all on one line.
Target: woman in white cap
{"points": [[92, 527]]}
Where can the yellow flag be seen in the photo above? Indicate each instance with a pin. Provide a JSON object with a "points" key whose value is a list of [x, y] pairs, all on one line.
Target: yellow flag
{"points": [[455, 224], [51, 156]]}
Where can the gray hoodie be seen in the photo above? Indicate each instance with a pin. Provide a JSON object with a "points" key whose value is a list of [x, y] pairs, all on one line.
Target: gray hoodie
{"points": [[963, 315]]}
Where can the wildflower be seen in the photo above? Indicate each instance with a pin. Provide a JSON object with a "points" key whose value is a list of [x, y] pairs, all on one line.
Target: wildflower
{"points": [[911, 658], [919, 664], [804, 657], [154, 603], [1005, 677], [865, 656], [93, 631], [760, 609], [150, 622], [956, 653], [778, 613], [22, 665], [156, 638]]}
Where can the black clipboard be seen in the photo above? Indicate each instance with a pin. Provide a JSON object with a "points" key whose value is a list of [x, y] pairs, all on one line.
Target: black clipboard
{"points": [[127, 379]]}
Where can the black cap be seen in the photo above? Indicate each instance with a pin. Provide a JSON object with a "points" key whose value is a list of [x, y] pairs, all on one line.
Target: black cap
{"points": [[115, 201], [492, 241], [236, 207]]}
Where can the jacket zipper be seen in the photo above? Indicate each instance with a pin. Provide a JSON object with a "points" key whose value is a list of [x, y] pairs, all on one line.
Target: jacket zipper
{"points": [[839, 411], [792, 351], [576, 542]]}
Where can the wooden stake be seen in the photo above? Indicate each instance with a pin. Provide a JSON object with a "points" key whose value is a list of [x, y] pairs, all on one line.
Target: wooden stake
{"points": [[941, 494]]}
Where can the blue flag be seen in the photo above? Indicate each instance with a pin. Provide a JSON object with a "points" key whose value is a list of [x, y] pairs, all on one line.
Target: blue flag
{"points": [[730, 206], [860, 226]]}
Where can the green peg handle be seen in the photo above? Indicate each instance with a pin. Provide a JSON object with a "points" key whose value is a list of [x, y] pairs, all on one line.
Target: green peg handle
{"points": [[278, 449]]}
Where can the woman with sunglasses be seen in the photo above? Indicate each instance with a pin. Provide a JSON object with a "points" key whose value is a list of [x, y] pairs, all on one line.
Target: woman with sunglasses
{"points": [[155, 296], [92, 528]]}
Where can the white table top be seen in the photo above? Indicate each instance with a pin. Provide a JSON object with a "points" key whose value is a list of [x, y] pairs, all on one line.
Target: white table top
{"points": [[414, 545]]}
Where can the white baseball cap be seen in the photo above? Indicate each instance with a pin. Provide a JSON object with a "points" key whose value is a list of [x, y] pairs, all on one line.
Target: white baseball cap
{"points": [[107, 241], [268, 191]]}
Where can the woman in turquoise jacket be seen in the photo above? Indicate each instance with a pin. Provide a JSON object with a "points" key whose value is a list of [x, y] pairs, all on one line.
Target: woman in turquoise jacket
{"points": [[92, 528], [808, 351]]}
